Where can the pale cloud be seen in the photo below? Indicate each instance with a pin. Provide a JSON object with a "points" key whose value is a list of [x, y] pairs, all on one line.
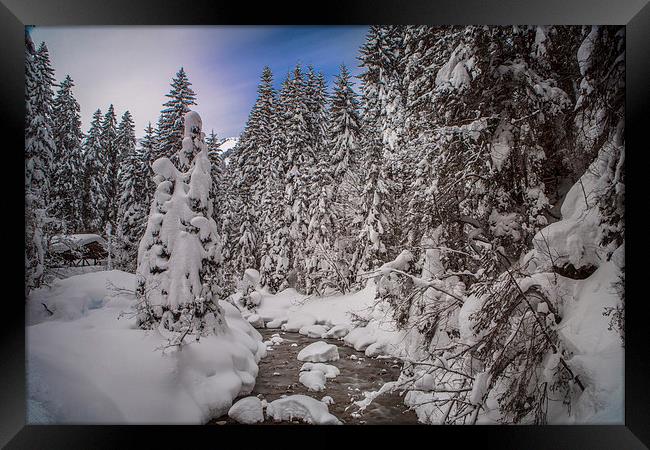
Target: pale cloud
{"points": [[132, 66]]}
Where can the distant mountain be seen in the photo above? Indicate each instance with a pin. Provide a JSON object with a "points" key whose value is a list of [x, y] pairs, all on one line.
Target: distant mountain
{"points": [[226, 147], [228, 143]]}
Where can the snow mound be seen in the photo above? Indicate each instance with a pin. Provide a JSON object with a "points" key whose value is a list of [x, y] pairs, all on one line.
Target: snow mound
{"points": [[96, 366], [314, 381], [301, 407], [298, 321], [247, 410], [314, 331], [319, 352], [327, 369], [256, 321], [360, 338], [337, 331]]}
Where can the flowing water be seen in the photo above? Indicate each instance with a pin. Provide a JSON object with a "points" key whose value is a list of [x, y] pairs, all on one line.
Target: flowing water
{"points": [[280, 369]]}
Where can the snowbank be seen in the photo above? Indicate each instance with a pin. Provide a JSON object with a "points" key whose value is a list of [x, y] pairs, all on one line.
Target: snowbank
{"points": [[247, 410], [319, 351], [89, 363], [301, 407]]}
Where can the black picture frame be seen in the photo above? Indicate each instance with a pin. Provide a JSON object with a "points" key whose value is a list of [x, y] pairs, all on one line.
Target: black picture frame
{"points": [[635, 14]]}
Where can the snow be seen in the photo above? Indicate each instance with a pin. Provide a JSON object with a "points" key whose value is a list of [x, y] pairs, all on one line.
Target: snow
{"points": [[248, 410], [502, 143], [319, 351], [301, 407], [228, 143], [314, 331], [256, 321], [61, 243], [314, 381], [297, 321], [337, 331], [328, 370], [94, 365]]}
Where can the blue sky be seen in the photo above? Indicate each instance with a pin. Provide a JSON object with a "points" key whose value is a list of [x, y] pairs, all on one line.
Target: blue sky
{"points": [[132, 67]]}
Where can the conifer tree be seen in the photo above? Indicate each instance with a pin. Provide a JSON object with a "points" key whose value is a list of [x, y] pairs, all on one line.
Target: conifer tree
{"points": [[94, 191], [111, 151], [39, 151], [147, 151], [179, 255], [67, 171], [132, 205], [170, 125]]}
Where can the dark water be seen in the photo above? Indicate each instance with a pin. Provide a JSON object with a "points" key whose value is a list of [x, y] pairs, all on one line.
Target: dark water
{"points": [[357, 376]]}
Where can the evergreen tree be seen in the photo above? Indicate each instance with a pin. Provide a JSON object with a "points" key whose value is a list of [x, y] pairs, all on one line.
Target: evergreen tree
{"points": [[147, 151], [67, 171], [39, 152], [344, 128], [111, 150], [179, 255], [94, 200], [170, 125], [132, 207]]}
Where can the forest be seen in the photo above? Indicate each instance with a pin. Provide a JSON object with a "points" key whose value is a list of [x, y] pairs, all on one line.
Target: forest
{"points": [[468, 190]]}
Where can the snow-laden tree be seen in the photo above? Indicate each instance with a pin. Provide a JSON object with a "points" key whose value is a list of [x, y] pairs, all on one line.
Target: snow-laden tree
{"points": [[274, 253], [111, 151], [170, 125], [67, 172], [133, 204], [371, 220], [341, 198], [300, 158], [491, 116], [179, 254], [39, 152], [147, 151], [344, 128], [249, 163], [94, 166]]}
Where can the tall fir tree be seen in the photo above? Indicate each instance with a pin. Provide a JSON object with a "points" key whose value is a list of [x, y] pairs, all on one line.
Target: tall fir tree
{"points": [[170, 125], [39, 152], [111, 150], [132, 206], [67, 171], [94, 178]]}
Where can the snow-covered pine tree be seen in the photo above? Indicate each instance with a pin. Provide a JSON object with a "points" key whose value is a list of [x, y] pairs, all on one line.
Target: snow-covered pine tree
{"points": [[276, 251], [179, 254], [170, 125], [343, 144], [371, 221], [318, 258], [111, 151], [133, 206], [67, 172], [300, 158], [147, 151], [214, 153], [94, 166], [249, 162], [344, 129], [39, 151]]}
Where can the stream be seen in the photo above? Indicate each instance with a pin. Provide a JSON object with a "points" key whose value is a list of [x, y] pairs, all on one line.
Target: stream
{"points": [[357, 375]]}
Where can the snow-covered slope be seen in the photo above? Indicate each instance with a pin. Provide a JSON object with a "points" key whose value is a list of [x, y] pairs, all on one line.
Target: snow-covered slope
{"points": [[228, 143], [90, 363]]}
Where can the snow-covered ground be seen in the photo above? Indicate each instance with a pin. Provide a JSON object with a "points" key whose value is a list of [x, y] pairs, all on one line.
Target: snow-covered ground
{"points": [[87, 362]]}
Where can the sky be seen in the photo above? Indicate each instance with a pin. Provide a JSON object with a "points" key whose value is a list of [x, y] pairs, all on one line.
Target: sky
{"points": [[132, 66]]}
